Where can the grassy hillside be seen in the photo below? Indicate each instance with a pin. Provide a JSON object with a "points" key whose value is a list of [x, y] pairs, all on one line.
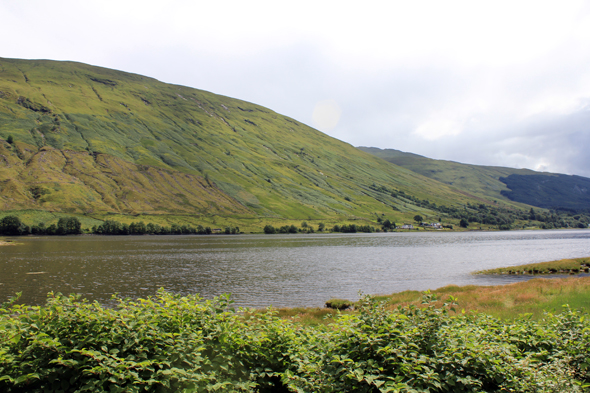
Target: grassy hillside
{"points": [[515, 186], [92, 141]]}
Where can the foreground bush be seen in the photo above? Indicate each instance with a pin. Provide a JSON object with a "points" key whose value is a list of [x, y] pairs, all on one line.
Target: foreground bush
{"points": [[426, 350], [171, 343], [166, 343]]}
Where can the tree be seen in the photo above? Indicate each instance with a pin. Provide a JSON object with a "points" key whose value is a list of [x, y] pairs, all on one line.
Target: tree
{"points": [[61, 227], [464, 223], [39, 229], [152, 228], [11, 226], [387, 225], [10, 139], [138, 228], [418, 218], [51, 230], [110, 227], [69, 226], [321, 227]]}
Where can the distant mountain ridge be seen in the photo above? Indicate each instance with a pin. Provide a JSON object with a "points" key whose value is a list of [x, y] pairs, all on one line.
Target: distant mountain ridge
{"points": [[524, 186], [558, 191], [92, 141]]}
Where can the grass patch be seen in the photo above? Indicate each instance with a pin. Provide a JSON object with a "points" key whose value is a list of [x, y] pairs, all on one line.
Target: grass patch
{"points": [[577, 265], [339, 304]]}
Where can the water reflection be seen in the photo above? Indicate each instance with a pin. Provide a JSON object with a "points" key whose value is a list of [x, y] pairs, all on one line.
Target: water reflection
{"points": [[283, 270]]}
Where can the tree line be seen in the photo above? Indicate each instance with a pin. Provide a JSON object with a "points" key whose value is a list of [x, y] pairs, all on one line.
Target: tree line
{"points": [[306, 228], [13, 226], [111, 227], [503, 218]]}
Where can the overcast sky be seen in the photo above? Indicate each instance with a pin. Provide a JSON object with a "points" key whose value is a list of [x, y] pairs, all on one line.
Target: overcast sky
{"points": [[482, 82]]}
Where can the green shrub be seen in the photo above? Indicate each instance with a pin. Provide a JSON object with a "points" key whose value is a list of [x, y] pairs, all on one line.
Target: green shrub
{"points": [[165, 343], [172, 343], [426, 350]]}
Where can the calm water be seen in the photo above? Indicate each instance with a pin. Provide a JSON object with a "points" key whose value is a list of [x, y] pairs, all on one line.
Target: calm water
{"points": [[282, 270]]}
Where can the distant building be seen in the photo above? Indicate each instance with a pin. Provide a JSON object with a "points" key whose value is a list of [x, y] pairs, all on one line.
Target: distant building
{"points": [[407, 226]]}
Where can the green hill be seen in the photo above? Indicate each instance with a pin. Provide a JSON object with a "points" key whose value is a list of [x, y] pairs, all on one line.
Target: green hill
{"points": [[517, 186], [99, 143]]}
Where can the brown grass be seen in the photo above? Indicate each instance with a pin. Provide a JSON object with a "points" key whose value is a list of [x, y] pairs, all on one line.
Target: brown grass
{"points": [[308, 316], [509, 301]]}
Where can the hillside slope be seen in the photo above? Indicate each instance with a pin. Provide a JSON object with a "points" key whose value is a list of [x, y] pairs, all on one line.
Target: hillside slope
{"points": [[89, 140], [523, 186]]}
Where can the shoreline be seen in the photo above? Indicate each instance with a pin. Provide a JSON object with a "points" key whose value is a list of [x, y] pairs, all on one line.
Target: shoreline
{"points": [[415, 230]]}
